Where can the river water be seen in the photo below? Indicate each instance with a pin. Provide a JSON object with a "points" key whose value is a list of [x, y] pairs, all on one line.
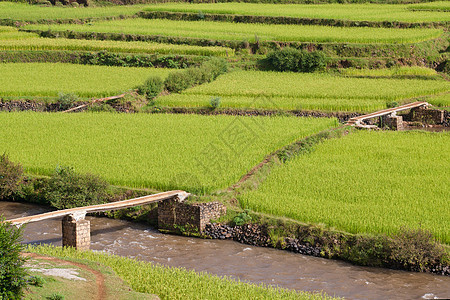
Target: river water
{"points": [[248, 263]]}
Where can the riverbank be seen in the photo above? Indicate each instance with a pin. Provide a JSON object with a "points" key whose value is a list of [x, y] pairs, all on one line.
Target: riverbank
{"points": [[150, 281]]}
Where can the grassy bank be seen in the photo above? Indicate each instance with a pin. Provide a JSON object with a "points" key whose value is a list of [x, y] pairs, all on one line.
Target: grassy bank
{"points": [[367, 182], [175, 283], [191, 152]]}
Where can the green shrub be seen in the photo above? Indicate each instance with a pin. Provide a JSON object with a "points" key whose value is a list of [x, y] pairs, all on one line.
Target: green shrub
{"points": [[151, 87], [66, 101], [12, 271], [214, 102], [11, 175], [415, 249], [36, 280], [67, 189], [177, 82], [242, 218], [294, 60], [55, 296], [207, 72]]}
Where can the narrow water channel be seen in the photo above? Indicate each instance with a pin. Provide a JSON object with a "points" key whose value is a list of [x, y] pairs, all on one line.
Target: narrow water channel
{"points": [[248, 263]]}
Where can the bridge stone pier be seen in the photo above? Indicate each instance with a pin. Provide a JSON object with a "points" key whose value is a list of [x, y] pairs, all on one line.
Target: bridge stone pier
{"points": [[76, 232]]}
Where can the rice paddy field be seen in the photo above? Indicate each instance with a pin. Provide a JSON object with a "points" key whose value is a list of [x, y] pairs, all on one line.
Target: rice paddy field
{"points": [[49, 79], [164, 152], [366, 182], [26, 12], [293, 91], [354, 12], [11, 39], [251, 32]]}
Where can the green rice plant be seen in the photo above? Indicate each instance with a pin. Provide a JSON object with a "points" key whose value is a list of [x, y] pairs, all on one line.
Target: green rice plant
{"points": [[164, 152], [443, 6], [295, 91], [10, 33], [17, 40], [176, 283], [390, 72], [251, 32], [366, 182], [26, 12], [353, 12], [48, 79]]}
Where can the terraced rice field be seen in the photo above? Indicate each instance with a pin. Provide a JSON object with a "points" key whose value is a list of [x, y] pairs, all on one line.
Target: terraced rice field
{"points": [[353, 12], [293, 91], [164, 152], [251, 32], [26, 12], [49, 79], [366, 182]]}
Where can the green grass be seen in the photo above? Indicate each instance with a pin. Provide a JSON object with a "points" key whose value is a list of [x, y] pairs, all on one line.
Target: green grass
{"points": [[176, 283], [317, 91], [366, 182], [48, 79], [353, 12], [251, 32], [11, 33], [164, 152], [26, 12], [391, 72]]}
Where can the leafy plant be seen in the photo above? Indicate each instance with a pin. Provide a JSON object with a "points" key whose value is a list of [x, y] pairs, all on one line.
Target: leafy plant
{"points": [[55, 296], [242, 218], [67, 189], [294, 60], [11, 175], [214, 102], [416, 249], [151, 87], [36, 280], [66, 101], [12, 272]]}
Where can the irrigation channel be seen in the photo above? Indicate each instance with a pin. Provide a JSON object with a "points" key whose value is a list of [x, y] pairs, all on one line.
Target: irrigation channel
{"points": [[248, 263]]}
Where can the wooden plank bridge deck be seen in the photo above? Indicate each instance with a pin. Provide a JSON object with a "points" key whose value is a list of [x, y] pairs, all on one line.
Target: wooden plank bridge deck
{"points": [[356, 121], [80, 212]]}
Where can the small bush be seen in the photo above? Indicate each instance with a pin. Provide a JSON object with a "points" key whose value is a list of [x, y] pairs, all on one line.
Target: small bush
{"points": [[66, 101], [12, 271], [242, 218], [214, 102], [67, 189], [294, 60], [55, 296], [151, 87], [207, 72], [177, 82], [415, 249], [36, 281], [11, 176], [391, 104]]}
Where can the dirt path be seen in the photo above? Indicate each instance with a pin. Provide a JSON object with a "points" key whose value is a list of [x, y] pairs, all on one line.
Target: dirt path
{"points": [[99, 277]]}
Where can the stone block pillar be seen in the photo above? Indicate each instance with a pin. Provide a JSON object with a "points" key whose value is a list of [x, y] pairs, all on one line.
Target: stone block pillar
{"points": [[76, 232], [393, 122]]}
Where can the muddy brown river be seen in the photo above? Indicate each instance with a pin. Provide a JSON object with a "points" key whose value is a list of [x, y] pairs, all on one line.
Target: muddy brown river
{"points": [[248, 263]]}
